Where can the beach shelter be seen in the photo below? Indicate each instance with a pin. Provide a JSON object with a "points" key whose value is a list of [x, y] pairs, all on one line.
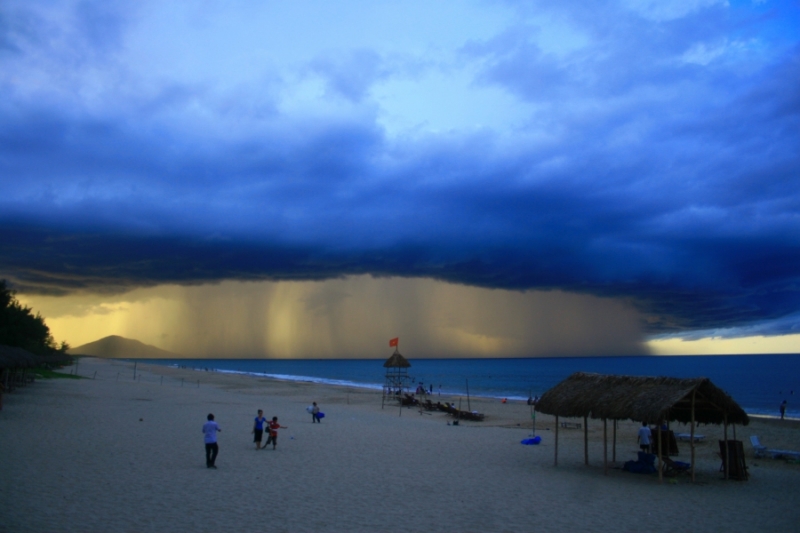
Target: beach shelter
{"points": [[17, 364], [644, 399], [396, 380]]}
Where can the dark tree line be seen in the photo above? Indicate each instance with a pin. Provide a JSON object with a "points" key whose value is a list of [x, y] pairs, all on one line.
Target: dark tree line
{"points": [[20, 327]]}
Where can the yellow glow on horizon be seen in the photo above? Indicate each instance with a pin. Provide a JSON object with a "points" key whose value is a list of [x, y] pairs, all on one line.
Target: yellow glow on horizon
{"points": [[350, 317], [718, 346]]}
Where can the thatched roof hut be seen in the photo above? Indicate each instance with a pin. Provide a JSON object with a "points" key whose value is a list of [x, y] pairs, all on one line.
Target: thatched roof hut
{"points": [[13, 357], [642, 399], [645, 399]]}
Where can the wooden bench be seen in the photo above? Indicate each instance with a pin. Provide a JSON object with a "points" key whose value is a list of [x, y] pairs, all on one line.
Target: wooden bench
{"points": [[571, 425]]}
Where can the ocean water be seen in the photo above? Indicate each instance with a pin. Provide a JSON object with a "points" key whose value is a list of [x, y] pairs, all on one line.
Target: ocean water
{"points": [[757, 382]]}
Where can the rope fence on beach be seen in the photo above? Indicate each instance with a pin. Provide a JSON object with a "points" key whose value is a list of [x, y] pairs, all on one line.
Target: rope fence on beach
{"points": [[136, 376]]}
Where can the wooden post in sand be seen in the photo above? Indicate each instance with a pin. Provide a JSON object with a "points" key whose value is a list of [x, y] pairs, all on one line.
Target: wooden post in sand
{"points": [[660, 466], [691, 435], [556, 459], [605, 447], [727, 455], [585, 441], [614, 444]]}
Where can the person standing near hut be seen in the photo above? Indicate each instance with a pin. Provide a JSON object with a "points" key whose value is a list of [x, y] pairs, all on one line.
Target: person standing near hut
{"points": [[210, 429], [644, 437]]}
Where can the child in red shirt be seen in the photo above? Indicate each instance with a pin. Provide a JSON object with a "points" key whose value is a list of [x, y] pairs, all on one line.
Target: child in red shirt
{"points": [[273, 432]]}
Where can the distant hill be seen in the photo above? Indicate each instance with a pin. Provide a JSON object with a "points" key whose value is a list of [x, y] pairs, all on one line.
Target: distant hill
{"points": [[115, 346]]}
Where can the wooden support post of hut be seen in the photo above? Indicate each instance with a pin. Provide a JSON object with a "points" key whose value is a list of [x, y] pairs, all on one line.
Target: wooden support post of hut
{"points": [[555, 460], [586, 440], [689, 401], [691, 434], [660, 455], [605, 446], [397, 380], [614, 444]]}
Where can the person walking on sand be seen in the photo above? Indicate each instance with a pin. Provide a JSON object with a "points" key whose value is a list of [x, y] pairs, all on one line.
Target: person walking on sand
{"points": [[315, 413], [783, 409], [258, 429], [210, 430], [644, 437], [273, 432]]}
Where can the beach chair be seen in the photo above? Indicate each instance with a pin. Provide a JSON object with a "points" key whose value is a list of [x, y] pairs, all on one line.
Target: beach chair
{"points": [[472, 415], [673, 468], [784, 454], [763, 451], [737, 469], [758, 449]]}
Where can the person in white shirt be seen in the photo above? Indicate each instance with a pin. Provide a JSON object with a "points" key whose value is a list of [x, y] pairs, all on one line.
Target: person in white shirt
{"points": [[210, 429], [644, 437]]}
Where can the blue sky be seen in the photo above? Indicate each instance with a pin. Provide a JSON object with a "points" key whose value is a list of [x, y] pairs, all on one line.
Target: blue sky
{"points": [[637, 152]]}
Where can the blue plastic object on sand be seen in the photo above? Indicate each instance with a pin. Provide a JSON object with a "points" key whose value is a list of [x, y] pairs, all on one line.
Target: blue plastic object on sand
{"points": [[535, 440]]}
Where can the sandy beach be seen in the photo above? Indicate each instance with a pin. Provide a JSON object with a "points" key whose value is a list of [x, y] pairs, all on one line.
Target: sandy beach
{"points": [[118, 454]]}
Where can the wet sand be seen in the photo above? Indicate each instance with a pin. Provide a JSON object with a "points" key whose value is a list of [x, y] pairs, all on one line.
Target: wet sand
{"points": [[114, 454]]}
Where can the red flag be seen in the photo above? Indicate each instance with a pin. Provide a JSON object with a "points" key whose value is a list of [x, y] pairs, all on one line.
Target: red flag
{"points": [[394, 341]]}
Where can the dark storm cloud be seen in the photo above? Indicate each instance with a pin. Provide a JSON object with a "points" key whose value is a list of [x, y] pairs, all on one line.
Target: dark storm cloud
{"points": [[643, 176]]}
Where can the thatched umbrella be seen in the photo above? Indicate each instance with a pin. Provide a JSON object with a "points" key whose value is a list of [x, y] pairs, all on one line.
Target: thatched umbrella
{"points": [[691, 400]]}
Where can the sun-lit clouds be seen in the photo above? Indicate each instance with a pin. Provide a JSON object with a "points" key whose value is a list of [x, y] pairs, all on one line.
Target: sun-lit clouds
{"points": [[716, 345], [644, 153], [351, 317]]}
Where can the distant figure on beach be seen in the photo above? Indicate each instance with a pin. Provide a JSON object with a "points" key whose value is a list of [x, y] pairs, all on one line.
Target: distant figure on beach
{"points": [[431, 389], [210, 429], [440, 389], [315, 413], [258, 429], [644, 437], [783, 409], [273, 432]]}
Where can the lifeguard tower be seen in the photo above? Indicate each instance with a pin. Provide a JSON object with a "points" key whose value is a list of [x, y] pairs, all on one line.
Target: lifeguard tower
{"points": [[397, 379]]}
